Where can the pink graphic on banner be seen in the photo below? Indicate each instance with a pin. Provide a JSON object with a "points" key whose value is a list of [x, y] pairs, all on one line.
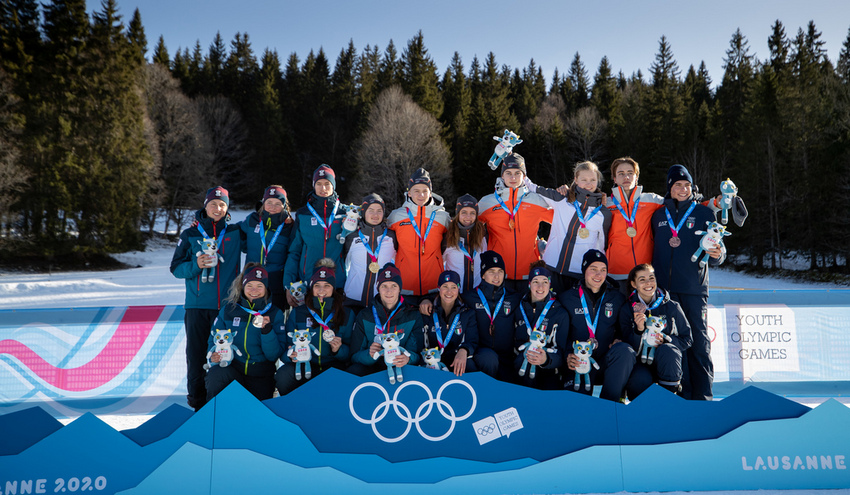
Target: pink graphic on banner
{"points": [[134, 328]]}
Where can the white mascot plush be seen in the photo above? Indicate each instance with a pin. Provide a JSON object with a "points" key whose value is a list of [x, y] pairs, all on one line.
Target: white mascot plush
{"points": [[223, 346], [728, 190], [432, 357], [298, 290], [537, 340], [391, 343], [504, 148], [711, 238], [584, 352], [210, 248], [655, 326], [302, 344], [349, 225]]}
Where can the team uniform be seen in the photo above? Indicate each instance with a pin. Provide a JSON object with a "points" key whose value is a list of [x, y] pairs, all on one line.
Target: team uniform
{"points": [[267, 242], [315, 235], [452, 332], [402, 318], [465, 260], [419, 232], [551, 318], [494, 316], [625, 251], [369, 244]]}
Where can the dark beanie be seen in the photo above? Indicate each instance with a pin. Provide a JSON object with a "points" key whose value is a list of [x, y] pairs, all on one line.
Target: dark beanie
{"points": [[514, 160], [276, 192], [370, 200], [677, 173], [324, 172], [419, 176], [389, 273], [448, 276], [323, 274], [217, 193], [591, 256], [466, 201], [491, 259], [257, 273], [539, 271]]}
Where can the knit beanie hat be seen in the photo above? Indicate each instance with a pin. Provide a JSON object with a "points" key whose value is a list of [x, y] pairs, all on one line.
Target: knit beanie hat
{"points": [[370, 200], [389, 273], [324, 172], [276, 192], [539, 271], [217, 193], [323, 274], [419, 176], [491, 259], [448, 276], [466, 201], [514, 160], [677, 173], [591, 256], [256, 273]]}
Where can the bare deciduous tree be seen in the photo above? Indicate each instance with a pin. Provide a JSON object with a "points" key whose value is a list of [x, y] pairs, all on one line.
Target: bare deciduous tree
{"points": [[229, 137], [400, 138], [586, 132]]}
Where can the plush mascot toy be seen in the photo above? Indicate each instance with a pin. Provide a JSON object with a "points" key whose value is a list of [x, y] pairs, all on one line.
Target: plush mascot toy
{"points": [[504, 148], [223, 346], [301, 342], [537, 340], [349, 225], [298, 289], [729, 191], [391, 349], [655, 326], [210, 248], [584, 351], [433, 358], [711, 238]]}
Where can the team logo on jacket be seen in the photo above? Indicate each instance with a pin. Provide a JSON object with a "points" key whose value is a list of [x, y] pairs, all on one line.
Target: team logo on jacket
{"points": [[313, 221], [309, 322], [691, 222], [507, 308], [236, 321], [609, 310]]}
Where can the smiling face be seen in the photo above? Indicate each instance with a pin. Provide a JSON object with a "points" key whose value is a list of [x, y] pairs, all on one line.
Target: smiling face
{"points": [[420, 194], [448, 293], [466, 216], [681, 190], [587, 180], [323, 188], [494, 276], [273, 206], [539, 288], [322, 290], [389, 292], [645, 284], [254, 290], [216, 209], [374, 214], [512, 177], [595, 275], [625, 176]]}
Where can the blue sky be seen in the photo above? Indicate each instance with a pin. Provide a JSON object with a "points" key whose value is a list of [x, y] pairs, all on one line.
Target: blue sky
{"points": [[549, 31]]}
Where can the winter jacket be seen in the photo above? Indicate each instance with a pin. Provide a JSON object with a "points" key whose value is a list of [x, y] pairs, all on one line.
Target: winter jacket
{"points": [[500, 337], [624, 252], [259, 350], [456, 260], [556, 325], [272, 256], [464, 335], [310, 243], [301, 319], [674, 269], [678, 327], [607, 325], [420, 265], [517, 245], [407, 320], [565, 248], [184, 263], [360, 282]]}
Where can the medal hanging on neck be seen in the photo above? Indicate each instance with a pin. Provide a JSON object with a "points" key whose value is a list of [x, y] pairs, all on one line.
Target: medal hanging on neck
{"points": [[416, 227], [675, 241], [490, 316], [444, 341], [631, 231], [511, 214], [220, 238], [265, 250], [379, 327], [327, 334], [591, 323], [257, 316], [584, 232], [373, 255], [539, 318], [326, 226]]}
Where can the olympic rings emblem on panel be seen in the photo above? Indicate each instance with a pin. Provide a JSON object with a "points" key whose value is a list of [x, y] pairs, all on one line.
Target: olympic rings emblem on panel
{"points": [[487, 430], [403, 412]]}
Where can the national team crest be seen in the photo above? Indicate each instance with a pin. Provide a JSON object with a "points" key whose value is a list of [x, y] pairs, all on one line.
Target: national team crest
{"points": [[609, 310], [691, 222]]}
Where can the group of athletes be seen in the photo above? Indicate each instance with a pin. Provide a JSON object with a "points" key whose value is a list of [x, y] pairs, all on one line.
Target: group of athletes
{"points": [[611, 298]]}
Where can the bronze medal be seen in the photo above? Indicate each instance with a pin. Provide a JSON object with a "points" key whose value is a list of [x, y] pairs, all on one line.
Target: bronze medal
{"points": [[675, 242], [584, 233], [373, 267], [631, 231], [511, 224]]}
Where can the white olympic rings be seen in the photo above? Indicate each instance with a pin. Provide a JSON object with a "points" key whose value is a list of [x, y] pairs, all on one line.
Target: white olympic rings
{"points": [[403, 412]]}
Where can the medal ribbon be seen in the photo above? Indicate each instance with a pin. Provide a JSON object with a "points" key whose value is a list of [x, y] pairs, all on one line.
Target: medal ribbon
{"points": [[491, 316], [265, 251], [322, 323], [681, 221], [466, 253], [539, 318], [629, 221], [381, 326], [373, 255], [254, 312], [505, 207], [416, 227], [442, 342], [220, 236], [591, 324], [581, 219], [326, 226]]}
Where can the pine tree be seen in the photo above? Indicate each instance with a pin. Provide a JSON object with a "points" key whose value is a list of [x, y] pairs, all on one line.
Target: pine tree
{"points": [[577, 93], [390, 72], [136, 35], [160, 53], [419, 76], [664, 116], [457, 95]]}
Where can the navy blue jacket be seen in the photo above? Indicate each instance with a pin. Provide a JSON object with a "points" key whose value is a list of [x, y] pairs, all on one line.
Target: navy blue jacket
{"points": [[555, 324], [607, 326], [407, 319], [678, 327], [501, 339], [464, 336]]}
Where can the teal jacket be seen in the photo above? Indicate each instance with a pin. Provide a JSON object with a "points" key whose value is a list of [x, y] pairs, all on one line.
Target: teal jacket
{"points": [[298, 320], [310, 244], [259, 350]]}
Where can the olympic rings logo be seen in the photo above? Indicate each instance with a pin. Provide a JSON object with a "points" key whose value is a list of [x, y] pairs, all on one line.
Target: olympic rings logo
{"points": [[487, 430], [403, 412]]}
